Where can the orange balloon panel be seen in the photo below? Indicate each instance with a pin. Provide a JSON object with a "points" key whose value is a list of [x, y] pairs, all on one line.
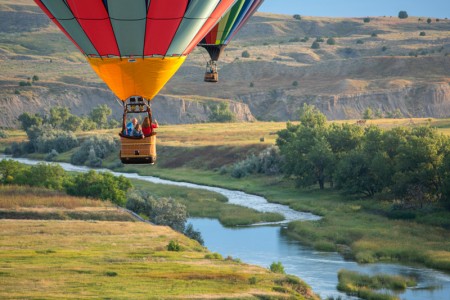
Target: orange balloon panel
{"points": [[143, 77]]}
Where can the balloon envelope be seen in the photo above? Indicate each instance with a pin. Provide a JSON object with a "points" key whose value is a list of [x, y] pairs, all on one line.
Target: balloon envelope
{"points": [[135, 46], [219, 37]]}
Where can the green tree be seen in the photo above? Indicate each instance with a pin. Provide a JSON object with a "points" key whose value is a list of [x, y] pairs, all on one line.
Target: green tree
{"points": [[99, 115], [50, 176], [368, 114], [10, 170], [27, 120], [73, 123], [331, 41], [277, 267], [245, 54], [104, 186], [315, 45], [402, 14], [310, 116], [35, 78], [168, 212], [221, 113], [58, 116]]}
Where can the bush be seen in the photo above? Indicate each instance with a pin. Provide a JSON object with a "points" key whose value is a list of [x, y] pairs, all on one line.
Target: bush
{"points": [[402, 14], [221, 113], [94, 150], [429, 20], [168, 212], [58, 140], [51, 155], [295, 83], [245, 54], [422, 33], [384, 48], [277, 267], [191, 233], [331, 41], [214, 256], [267, 162], [3, 134], [173, 246], [374, 34], [104, 186], [366, 20], [297, 17], [315, 45], [360, 42]]}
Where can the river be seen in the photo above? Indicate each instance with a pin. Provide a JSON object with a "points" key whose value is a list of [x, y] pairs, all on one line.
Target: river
{"points": [[264, 244]]}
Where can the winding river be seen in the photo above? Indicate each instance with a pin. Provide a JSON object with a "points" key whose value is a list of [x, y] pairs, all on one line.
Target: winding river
{"points": [[264, 244]]}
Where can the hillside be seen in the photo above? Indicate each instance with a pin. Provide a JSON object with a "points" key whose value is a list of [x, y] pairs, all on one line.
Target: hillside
{"points": [[77, 259], [384, 64]]}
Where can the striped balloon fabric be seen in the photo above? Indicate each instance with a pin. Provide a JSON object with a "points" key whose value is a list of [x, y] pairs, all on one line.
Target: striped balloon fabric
{"points": [[219, 37], [135, 46]]}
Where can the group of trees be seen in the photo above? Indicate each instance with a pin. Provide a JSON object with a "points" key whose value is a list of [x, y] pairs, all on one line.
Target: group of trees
{"points": [[411, 165], [102, 186], [60, 117]]}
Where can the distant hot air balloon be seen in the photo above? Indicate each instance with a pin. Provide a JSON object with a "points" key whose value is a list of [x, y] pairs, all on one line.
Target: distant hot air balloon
{"points": [[219, 37], [135, 46]]}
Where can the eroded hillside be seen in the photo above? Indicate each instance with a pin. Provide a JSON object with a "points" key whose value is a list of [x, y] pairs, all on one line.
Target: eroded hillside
{"points": [[385, 64]]}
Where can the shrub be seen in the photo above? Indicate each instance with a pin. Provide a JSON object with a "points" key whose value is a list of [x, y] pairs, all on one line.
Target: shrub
{"points": [[104, 186], [168, 212], [366, 20], [331, 41], [295, 83], [51, 155], [319, 40], [245, 54], [267, 162], [191, 233], [111, 274], [252, 280], [359, 41], [58, 140], [429, 20], [214, 256], [3, 134], [315, 45], [374, 34], [384, 48], [221, 113], [173, 246], [422, 33], [16, 92], [24, 83], [297, 17], [277, 267], [94, 149], [402, 14]]}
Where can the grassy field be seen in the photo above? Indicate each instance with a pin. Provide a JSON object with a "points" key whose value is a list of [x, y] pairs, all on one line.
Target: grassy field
{"points": [[358, 228], [75, 259]]}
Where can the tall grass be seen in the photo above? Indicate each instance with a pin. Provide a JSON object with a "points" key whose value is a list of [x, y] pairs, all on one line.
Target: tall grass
{"points": [[24, 196], [365, 287]]}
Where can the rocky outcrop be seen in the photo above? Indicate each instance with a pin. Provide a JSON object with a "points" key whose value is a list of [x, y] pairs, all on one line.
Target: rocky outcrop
{"points": [[81, 99], [418, 100]]}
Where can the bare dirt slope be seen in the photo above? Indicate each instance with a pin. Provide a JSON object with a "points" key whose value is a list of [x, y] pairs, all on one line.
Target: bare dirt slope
{"points": [[385, 64]]}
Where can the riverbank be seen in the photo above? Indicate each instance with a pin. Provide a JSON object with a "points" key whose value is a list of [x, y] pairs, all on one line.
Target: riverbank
{"points": [[95, 249], [359, 229]]}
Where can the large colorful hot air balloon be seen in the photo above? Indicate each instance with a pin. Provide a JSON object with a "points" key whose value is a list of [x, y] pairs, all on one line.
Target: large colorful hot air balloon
{"points": [[135, 46], [219, 37]]}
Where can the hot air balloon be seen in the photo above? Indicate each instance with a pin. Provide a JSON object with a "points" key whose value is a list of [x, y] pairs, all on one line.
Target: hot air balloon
{"points": [[219, 37], [135, 47]]}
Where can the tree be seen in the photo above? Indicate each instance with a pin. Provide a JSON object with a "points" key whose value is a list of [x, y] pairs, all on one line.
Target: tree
{"points": [[310, 116], [245, 54], [331, 41], [366, 20], [168, 212], [104, 186], [27, 120], [429, 20], [315, 45], [368, 114], [59, 115], [9, 170], [73, 123], [35, 78], [422, 33], [297, 17], [99, 115], [402, 14], [50, 176], [221, 113]]}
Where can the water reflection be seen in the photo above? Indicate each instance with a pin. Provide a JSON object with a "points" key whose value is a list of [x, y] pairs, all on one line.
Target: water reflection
{"points": [[266, 244]]}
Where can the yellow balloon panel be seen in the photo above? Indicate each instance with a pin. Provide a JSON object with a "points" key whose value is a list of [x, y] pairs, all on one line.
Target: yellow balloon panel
{"points": [[143, 77]]}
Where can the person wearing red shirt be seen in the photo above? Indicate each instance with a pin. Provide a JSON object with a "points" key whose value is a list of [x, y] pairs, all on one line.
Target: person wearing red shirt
{"points": [[147, 127]]}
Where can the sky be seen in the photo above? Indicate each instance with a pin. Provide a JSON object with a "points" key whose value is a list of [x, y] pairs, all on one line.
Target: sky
{"points": [[358, 8]]}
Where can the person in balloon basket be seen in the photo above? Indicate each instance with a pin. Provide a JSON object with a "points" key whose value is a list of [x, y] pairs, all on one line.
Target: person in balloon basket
{"points": [[137, 131], [130, 127], [147, 127]]}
